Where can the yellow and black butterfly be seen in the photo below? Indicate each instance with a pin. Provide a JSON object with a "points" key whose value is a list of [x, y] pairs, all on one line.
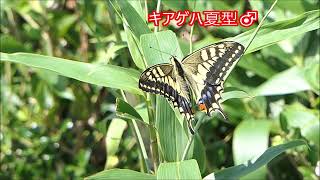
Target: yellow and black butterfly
{"points": [[201, 75]]}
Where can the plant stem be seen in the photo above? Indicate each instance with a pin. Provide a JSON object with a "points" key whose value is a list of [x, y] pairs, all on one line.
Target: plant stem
{"points": [[156, 28], [190, 39], [133, 125], [153, 134], [146, 9], [186, 149], [260, 24], [191, 32]]}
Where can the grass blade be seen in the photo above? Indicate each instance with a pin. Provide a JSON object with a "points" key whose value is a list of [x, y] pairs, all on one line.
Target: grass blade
{"points": [[102, 75]]}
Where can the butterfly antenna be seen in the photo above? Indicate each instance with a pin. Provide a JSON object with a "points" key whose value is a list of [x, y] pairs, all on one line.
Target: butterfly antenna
{"points": [[161, 51], [176, 50]]}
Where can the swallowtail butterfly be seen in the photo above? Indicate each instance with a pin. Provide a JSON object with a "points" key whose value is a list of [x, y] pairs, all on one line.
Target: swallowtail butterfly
{"points": [[199, 76]]}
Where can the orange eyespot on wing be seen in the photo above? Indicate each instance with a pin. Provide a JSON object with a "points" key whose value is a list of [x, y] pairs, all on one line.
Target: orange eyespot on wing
{"points": [[202, 107]]}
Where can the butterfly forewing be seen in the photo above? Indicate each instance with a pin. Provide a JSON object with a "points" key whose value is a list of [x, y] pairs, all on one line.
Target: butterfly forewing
{"points": [[161, 79], [212, 63]]}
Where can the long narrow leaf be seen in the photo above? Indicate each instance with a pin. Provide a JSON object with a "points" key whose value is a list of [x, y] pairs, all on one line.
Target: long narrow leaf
{"points": [[236, 172], [102, 75], [274, 32], [289, 81], [126, 111], [120, 174], [136, 23]]}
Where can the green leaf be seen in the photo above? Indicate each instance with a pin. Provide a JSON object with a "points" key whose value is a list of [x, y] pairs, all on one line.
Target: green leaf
{"points": [[134, 48], [307, 120], [277, 52], [112, 51], [102, 75], [113, 138], [65, 24], [274, 32], [234, 94], [137, 6], [173, 139], [175, 5], [238, 171], [199, 153], [136, 23], [120, 174], [179, 170], [126, 111], [10, 44], [165, 41], [312, 73], [253, 134], [172, 136], [257, 66], [286, 82], [143, 112]]}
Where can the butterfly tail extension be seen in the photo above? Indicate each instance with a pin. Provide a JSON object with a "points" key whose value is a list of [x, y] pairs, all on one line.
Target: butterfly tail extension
{"points": [[211, 97], [225, 117]]}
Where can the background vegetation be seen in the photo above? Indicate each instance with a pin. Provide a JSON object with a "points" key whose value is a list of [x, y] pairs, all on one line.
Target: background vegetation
{"points": [[54, 126]]}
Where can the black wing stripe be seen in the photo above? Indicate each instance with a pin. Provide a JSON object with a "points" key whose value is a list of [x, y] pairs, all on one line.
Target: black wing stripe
{"points": [[160, 87]]}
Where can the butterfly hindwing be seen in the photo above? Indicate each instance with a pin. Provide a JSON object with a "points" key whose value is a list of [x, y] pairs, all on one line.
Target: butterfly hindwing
{"points": [[211, 99], [161, 79]]}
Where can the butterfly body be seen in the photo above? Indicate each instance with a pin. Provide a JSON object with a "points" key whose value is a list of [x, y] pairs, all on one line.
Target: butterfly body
{"points": [[198, 77]]}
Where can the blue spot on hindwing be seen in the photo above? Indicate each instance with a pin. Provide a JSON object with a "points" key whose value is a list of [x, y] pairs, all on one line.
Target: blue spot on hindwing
{"points": [[209, 94], [204, 97]]}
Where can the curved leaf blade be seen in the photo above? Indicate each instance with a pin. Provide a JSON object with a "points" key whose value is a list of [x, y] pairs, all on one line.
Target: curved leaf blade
{"points": [[289, 81], [272, 33], [102, 75], [238, 171], [234, 94], [120, 174], [126, 111], [136, 23]]}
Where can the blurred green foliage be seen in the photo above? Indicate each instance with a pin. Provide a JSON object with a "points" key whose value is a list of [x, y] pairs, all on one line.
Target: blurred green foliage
{"points": [[59, 128]]}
